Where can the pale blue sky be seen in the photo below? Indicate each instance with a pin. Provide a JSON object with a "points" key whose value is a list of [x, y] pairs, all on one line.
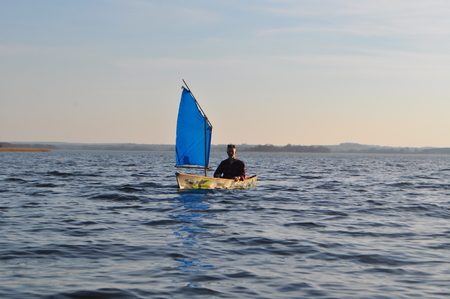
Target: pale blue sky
{"points": [[300, 72]]}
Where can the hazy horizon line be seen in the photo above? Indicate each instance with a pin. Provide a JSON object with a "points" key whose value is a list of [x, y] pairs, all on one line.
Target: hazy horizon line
{"points": [[217, 144]]}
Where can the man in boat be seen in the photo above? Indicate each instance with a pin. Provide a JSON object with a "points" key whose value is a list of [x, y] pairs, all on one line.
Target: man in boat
{"points": [[231, 168]]}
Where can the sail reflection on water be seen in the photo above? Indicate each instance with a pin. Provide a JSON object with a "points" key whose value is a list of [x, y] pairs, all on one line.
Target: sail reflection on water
{"points": [[190, 207]]}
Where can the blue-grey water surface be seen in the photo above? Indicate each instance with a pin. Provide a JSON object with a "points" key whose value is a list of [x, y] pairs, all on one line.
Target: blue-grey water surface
{"points": [[80, 224]]}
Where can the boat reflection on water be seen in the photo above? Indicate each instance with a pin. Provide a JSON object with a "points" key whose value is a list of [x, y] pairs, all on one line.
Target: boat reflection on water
{"points": [[190, 209]]}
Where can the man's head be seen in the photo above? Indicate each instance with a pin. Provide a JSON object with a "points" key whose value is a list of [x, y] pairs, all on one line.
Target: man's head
{"points": [[231, 150]]}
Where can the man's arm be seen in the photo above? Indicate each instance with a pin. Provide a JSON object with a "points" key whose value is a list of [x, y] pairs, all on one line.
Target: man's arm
{"points": [[218, 171], [242, 170]]}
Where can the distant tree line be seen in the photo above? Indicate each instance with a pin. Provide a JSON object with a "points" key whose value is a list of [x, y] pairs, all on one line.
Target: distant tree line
{"points": [[342, 148], [23, 145], [442, 150], [93, 146], [288, 148]]}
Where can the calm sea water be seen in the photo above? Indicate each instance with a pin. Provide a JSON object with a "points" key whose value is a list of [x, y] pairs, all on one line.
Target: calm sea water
{"points": [[80, 224]]}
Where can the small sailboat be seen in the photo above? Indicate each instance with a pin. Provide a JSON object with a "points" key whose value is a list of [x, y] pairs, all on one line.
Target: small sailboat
{"points": [[193, 147]]}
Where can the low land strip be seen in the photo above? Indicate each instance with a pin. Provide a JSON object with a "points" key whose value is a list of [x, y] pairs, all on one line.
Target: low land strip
{"points": [[23, 149]]}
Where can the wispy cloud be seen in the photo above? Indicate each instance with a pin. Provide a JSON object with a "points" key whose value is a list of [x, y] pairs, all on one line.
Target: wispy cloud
{"points": [[157, 63], [372, 61], [306, 29], [162, 13], [379, 18], [376, 60]]}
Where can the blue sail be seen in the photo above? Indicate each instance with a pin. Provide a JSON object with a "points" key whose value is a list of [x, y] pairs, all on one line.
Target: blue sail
{"points": [[193, 141]]}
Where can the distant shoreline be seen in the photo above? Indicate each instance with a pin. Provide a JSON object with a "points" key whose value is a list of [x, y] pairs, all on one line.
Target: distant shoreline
{"points": [[349, 148], [23, 149]]}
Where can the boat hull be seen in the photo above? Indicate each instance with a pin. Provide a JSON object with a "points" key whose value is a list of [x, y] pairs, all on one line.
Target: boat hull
{"points": [[190, 181]]}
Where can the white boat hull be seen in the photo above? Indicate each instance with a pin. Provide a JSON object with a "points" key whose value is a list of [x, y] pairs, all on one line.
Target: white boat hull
{"points": [[190, 181]]}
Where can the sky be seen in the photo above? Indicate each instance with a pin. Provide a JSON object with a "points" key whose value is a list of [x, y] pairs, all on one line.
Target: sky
{"points": [[301, 72]]}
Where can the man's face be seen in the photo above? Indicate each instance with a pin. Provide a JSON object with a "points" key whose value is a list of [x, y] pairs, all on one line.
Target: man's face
{"points": [[231, 152]]}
